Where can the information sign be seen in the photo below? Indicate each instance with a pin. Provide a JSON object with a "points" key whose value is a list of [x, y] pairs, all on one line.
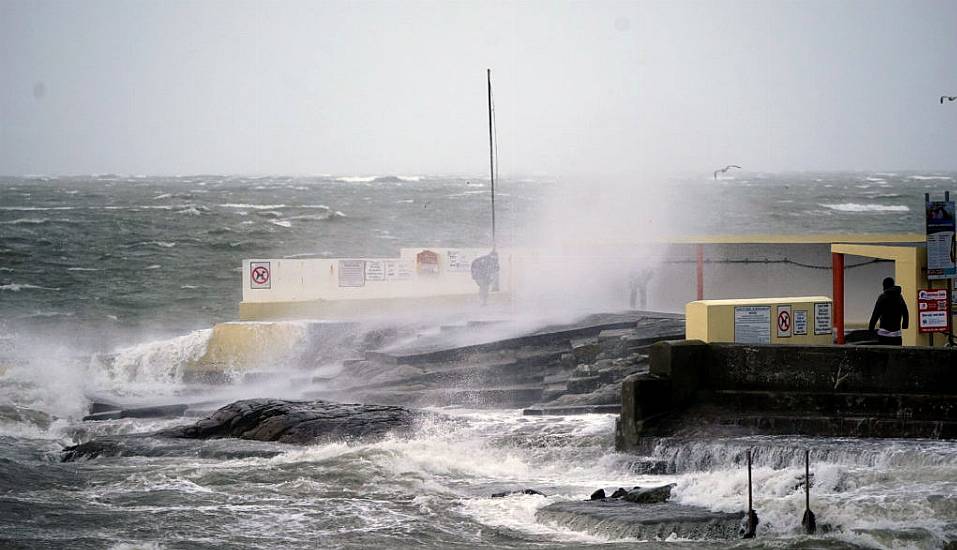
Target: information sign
{"points": [[932, 308], [822, 318], [940, 240], [752, 324], [352, 273], [800, 322]]}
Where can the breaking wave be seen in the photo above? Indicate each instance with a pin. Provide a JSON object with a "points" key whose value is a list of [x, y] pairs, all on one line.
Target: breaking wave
{"points": [[856, 207]]}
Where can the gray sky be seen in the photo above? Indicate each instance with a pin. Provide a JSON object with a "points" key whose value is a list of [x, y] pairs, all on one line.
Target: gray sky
{"points": [[607, 88]]}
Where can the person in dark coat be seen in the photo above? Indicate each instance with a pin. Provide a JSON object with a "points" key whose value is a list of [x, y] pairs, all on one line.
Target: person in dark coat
{"points": [[890, 315], [485, 273]]}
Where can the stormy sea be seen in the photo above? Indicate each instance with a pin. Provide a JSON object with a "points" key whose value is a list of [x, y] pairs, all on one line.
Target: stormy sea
{"points": [[110, 284]]}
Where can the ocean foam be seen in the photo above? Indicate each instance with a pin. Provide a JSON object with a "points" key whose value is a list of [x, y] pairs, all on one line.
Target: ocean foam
{"points": [[857, 207]]}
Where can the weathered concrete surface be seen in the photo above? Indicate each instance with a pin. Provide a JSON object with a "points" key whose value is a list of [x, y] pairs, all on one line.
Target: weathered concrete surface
{"points": [[617, 518], [855, 391], [301, 422]]}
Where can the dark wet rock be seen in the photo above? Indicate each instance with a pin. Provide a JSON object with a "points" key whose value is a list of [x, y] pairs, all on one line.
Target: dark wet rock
{"points": [[520, 492], [158, 411], [598, 495], [617, 518], [619, 492], [267, 420], [649, 495], [298, 421]]}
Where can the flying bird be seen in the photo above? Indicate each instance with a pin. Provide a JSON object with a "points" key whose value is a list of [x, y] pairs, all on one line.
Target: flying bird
{"points": [[948, 98], [724, 170]]}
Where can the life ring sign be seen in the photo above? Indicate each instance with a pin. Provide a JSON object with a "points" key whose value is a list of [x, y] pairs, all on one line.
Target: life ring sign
{"points": [[260, 275]]}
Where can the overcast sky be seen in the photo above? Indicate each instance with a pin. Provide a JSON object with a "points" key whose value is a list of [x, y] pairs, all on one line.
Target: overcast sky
{"points": [[607, 88]]}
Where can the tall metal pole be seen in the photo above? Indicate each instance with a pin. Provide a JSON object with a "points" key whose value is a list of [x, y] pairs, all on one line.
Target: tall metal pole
{"points": [[491, 153]]}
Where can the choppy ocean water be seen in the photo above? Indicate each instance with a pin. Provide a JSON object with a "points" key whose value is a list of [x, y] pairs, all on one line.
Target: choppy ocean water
{"points": [[142, 267]]}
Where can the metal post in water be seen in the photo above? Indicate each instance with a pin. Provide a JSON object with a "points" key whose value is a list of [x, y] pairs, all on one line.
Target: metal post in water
{"points": [[752, 519], [808, 521]]}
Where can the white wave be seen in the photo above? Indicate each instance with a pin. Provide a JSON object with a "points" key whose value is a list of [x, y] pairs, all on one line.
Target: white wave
{"points": [[163, 196], [877, 180], [356, 179], [151, 366], [83, 269], [856, 207], [281, 223], [15, 287], [405, 201], [154, 266], [192, 211], [931, 178], [253, 206], [410, 178], [35, 221], [37, 208]]}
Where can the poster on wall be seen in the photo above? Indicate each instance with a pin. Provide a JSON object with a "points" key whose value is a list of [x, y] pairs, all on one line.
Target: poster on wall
{"points": [[375, 270], [397, 270], [822, 318], [352, 273], [940, 240], [752, 324], [932, 309], [427, 263], [459, 261], [800, 322]]}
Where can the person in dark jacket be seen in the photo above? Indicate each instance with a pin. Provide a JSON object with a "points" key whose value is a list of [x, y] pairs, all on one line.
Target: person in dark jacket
{"points": [[485, 273], [891, 313]]}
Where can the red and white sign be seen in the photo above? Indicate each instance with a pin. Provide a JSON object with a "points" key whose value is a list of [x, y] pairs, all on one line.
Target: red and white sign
{"points": [[933, 307], [784, 321], [260, 275]]}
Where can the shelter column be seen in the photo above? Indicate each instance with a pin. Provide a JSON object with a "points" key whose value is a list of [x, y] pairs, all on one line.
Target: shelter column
{"points": [[837, 278]]}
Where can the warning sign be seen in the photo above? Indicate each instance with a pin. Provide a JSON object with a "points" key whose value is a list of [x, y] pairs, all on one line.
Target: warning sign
{"points": [[800, 322], [932, 309], [260, 276], [427, 263], [352, 273], [752, 324], [784, 321], [822, 318]]}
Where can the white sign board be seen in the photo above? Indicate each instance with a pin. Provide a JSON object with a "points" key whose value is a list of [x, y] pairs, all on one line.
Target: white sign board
{"points": [[933, 319], [260, 275], [800, 322], [397, 270], [375, 270], [822, 318], [785, 321], [752, 324], [459, 261], [352, 273]]}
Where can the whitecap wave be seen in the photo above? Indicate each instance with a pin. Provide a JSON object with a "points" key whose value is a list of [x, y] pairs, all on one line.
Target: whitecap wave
{"points": [[857, 207], [931, 178], [149, 367], [17, 287], [356, 179], [252, 206], [281, 223], [31, 221]]}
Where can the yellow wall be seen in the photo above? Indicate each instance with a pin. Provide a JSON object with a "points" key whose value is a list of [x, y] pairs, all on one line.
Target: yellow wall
{"points": [[714, 320]]}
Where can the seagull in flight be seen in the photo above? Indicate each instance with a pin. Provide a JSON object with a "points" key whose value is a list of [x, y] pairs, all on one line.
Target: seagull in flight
{"points": [[724, 170], [948, 98]]}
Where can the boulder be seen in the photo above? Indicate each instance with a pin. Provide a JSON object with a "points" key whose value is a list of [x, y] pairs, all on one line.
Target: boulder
{"points": [[619, 492], [300, 422], [519, 492], [649, 495], [597, 495]]}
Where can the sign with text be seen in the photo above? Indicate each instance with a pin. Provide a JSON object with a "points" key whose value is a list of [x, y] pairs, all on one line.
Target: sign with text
{"points": [[800, 322], [822, 318], [932, 308], [352, 273], [940, 240], [752, 324]]}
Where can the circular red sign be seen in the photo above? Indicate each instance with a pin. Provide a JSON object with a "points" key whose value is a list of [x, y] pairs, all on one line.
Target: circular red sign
{"points": [[784, 321], [260, 274]]}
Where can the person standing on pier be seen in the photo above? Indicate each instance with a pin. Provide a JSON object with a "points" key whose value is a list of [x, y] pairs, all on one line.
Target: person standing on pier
{"points": [[891, 313], [485, 273]]}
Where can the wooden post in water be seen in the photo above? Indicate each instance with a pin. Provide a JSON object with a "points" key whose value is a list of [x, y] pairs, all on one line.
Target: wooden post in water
{"points": [[808, 521], [491, 153], [751, 526]]}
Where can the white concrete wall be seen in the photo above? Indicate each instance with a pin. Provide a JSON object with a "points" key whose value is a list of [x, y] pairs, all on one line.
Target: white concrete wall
{"points": [[300, 280]]}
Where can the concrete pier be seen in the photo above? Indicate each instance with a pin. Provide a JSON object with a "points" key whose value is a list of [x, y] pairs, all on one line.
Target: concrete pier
{"points": [[693, 388]]}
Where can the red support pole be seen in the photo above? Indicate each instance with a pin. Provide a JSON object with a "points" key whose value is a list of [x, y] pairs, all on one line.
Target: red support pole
{"points": [[837, 276], [700, 271]]}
